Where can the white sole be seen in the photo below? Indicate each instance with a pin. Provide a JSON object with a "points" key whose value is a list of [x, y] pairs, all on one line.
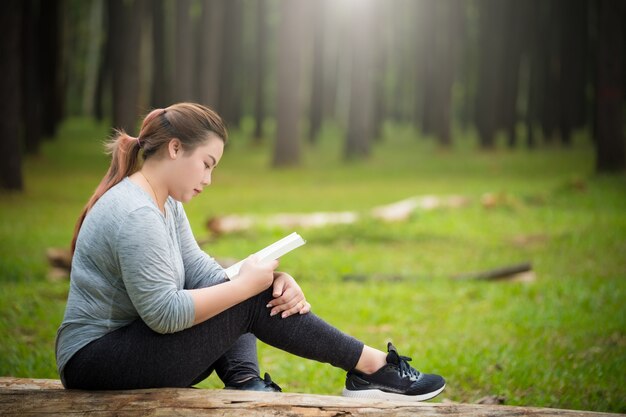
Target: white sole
{"points": [[382, 395]]}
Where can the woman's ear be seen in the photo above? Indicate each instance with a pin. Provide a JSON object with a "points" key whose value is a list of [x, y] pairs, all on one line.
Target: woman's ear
{"points": [[174, 147]]}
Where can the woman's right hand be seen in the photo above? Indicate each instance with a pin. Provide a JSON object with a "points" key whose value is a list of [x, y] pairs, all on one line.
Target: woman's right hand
{"points": [[259, 274], [254, 277]]}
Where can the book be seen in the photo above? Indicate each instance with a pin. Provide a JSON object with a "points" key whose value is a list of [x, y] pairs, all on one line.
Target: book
{"points": [[271, 252]]}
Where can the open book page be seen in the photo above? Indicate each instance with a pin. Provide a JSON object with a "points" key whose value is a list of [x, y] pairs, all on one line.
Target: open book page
{"points": [[271, 252]]}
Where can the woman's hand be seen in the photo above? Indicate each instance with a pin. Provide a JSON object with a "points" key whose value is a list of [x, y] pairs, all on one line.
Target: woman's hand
{"points": [[288, 297], [259, 275]]}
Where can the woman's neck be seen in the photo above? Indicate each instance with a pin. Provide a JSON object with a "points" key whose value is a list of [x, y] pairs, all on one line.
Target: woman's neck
{"points": [[149, 180]]}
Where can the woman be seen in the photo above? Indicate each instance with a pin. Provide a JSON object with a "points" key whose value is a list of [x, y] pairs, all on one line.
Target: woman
{"points": [[148, 308]]}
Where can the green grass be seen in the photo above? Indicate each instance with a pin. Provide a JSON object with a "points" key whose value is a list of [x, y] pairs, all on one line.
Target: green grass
{"points": [[559, 341]]}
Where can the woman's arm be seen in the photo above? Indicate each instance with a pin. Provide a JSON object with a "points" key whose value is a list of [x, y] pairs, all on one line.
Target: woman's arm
{"points": [[254, 277], [201, 270], [151, 278]]}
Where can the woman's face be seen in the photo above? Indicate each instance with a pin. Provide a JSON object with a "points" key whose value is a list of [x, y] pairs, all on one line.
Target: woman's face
{"points": [[192, 169]]}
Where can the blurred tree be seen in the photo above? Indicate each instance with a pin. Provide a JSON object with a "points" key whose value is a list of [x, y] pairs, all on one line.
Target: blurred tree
{"points": [[230, 89], [331, 63], [287, 145], [94, 54], [316, 106], [31, 76], [407, 39], [103, 83], [490, 69], [162, 71], [448, 20], [211, 32], [467, 73], [52, 85], [124, 31], [380, 66], [499, 64], [260, 68], [610, 146], [551, 71], [573, 68], [10, 71], [515, 19], [542, 83], [425, 65], [537, 55], [183, 52], [360, 127]]}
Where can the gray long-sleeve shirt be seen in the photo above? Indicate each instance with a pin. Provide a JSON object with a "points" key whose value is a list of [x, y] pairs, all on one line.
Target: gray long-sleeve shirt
{"points": [[132, 262]]}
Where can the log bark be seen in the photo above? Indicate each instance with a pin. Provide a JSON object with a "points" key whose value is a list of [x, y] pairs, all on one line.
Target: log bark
{"points": [[29, 397]]}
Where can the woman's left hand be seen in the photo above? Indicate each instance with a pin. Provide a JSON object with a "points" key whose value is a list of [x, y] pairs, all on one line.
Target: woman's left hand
{"points": [[288, 297]]}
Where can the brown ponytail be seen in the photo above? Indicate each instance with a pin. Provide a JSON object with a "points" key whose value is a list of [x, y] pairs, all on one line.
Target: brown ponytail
{"points": [[124, 150], [188, 122]]}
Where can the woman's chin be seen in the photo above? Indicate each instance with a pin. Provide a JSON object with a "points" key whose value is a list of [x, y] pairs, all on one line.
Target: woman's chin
{"points": [[188, 197]]}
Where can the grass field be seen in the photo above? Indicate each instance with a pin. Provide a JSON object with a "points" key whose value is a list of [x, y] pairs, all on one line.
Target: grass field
{"points": [[558, 341]]}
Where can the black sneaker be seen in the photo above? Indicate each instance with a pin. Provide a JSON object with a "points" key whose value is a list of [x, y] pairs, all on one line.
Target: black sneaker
{"points": [[256, 384], [395, 381]]}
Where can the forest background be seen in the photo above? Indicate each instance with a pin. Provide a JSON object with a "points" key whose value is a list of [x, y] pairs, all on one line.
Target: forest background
{"points": [[347, 105]]}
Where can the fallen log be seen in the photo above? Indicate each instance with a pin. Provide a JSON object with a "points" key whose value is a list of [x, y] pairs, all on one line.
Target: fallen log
{"points": [[30, 397], [398, 211], [518, 272], [220, 225], [60, 261], [403, 209]]}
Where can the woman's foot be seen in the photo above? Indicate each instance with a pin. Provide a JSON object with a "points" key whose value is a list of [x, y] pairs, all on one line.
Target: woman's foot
{"points": [[396, 380], [256, 384]]}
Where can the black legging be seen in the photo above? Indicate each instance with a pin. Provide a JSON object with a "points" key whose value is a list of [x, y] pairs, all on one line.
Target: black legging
{"points": [[135, 356]]}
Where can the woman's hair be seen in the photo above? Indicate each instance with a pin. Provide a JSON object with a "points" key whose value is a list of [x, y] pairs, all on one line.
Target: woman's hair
{"points": [[188, 122]]}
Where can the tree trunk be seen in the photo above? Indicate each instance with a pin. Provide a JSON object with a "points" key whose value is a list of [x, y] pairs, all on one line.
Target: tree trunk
{"points": [[10, 147], [231, 46], [317, 89], [449, 20], [261, 64], [380, 45], [94, 54], [514, 26], [538, 24], [211, 32], [162, 75], [610, 147], [425, 70], [496, 97], [489, 72], [31, 83], [573, 52], [549, 45], [52, 88], [183, 52], [360, 132], [124, 32], [331, 66], [287, 146], [104, 70]]}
